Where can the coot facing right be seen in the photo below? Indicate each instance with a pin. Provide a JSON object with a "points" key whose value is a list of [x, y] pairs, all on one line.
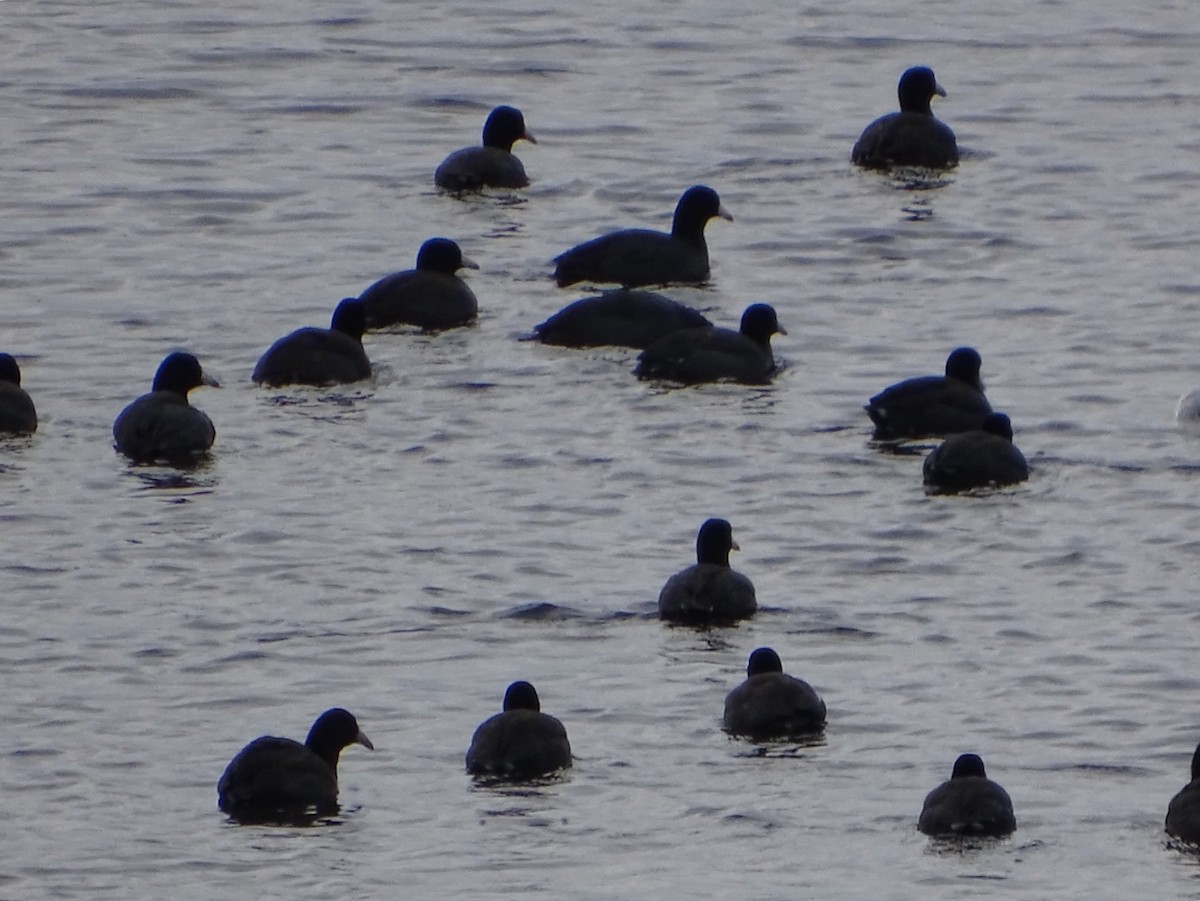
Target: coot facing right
{"points": [[318, 356], [637, 257], [431, 296], [280, 779], [933, 406], [712, 354]]}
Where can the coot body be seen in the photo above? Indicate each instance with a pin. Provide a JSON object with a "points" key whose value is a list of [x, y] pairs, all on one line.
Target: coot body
{"points": [[621, 318]]}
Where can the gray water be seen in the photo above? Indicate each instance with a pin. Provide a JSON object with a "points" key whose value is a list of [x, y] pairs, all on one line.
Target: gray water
{"points": [[213, 176]]}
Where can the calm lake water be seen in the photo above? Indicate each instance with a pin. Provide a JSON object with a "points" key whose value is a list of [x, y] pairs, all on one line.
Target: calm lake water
{"points": [[211, 177]]}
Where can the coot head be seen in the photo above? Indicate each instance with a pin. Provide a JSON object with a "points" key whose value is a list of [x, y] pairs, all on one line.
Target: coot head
{"points": [[443, 255], [504, 127], [917, 87], [759, 323], [964, 364], [180, 373], [350, 318], [968, 765], [714, 541], [335, 729], [522, 696], [9, 370], [697, 205], [764, 660]]}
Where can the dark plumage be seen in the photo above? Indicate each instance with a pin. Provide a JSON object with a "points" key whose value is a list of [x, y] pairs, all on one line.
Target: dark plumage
{"points": [[635, 257], [431, 297], [932, 406], [318, 356], [911, 137], [976, 459], [162, 425], [709, 591], [622, 318], [520, 743], [1183, 813], [18, 416], [280, 779], [714, 354], [492, 165], [772, 704], [968, 804]]}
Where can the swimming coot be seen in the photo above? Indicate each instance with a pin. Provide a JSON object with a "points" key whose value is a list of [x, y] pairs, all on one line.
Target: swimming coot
{"points": [[968, 804], [772, 704], [709, 591], [911, 137], [318, 356], [621, 318], [492, 165], [636, 257], [976, 459], [431, 297], [18, 416], [1183, 813], [520, 743], [715, 354], [280, 779], [932, 406], [162, 425]]}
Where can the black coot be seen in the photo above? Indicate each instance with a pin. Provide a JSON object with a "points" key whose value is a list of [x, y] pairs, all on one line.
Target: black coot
{"points": [[1183, 813], [18, 416], [976, 459], [716, 354], [709, 591], [520, 743], [280, 779], [968, 804], [636, 257], [492, 165], [431, 297], [911, 137], [162, 425], [933, 406], [772, 704], [318, 356]]}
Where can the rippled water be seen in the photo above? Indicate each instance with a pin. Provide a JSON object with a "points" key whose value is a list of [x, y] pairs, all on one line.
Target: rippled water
{"points": [[487, 509]]}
